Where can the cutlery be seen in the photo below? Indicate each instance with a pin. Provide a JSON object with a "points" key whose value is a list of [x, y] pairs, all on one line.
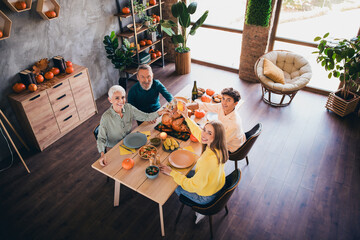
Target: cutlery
{"points": [[126, 148]]}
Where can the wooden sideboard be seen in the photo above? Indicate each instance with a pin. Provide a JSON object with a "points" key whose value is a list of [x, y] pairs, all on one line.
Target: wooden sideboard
{"points": [[57, 107]]}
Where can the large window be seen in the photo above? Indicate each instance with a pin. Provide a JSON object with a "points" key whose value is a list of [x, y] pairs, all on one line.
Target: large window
{"points": [[299, 20]]}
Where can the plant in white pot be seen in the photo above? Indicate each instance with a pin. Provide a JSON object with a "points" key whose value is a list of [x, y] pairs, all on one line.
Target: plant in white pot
{"points": [[179, 33], [341, 57]]}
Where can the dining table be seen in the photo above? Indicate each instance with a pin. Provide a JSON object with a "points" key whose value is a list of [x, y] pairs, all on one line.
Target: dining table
{"points": [[162, 187]]}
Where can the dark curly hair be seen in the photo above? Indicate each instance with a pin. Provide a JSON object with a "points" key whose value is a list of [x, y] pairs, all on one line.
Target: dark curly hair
{"points": [[232, 93]]}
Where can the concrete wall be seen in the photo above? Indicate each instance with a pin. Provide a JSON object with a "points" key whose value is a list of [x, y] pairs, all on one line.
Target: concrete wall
{"points": [[76, 35]]}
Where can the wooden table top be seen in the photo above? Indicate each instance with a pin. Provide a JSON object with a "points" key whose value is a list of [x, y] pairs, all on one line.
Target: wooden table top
{"points": [[158, 189]]}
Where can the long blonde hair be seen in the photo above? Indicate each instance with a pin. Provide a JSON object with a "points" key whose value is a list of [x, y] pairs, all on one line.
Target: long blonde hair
{"points": [[219, 142]]}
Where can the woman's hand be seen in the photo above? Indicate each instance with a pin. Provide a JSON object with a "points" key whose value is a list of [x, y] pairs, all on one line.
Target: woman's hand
{"points": [[165, 169], [102, 161], [162, 111]]}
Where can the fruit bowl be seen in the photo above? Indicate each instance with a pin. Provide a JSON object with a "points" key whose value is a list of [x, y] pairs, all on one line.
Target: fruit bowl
{"points": [[131, 26], [152, 172]]}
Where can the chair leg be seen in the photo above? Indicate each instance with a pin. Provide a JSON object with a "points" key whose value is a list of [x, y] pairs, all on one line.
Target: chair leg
{"points": [[236, 165], [282, 99], [226, 209], [179, 213], [247, 161], [211, 230]]}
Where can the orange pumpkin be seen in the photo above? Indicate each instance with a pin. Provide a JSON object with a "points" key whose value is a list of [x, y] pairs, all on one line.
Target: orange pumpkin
{"points": [[205, 98], [55, 71], [210, 92], [32, 87], [193, 138], [19, 87], [199, 113], [39, 78], [69, 70], [50, 14], [49, 75], [128, 163]]}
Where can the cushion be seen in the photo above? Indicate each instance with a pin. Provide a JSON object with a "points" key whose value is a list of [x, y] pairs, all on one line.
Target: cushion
{"points": [[273, 72]]}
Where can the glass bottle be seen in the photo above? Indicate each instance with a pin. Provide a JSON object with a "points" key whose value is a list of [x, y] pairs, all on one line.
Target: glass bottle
{"points": [[194, 92]]}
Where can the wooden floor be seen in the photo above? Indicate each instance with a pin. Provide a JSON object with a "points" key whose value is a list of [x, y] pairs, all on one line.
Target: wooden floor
{"points": [[303, 180]]}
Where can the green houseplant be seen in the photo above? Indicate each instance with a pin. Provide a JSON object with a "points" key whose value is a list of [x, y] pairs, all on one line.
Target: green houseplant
{"points": [[255, 36], [120, 55], [178, 31], [341, 57]]}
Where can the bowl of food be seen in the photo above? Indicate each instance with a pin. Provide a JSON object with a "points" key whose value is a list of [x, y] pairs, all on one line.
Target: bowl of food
{"points": [[155, 141], [131, 26], [152, 172], [147, 151], [201, 92]]}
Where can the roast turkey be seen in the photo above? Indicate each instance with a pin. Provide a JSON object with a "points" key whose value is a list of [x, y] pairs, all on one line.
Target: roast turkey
{"points": [[175, 121]]}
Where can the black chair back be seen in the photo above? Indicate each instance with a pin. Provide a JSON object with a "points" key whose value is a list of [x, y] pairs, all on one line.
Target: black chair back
{"points": [[251, 137], [223, 196], [96, 131]]}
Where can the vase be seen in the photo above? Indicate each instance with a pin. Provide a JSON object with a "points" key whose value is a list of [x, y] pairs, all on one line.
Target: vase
{"points": [[182, 63]]}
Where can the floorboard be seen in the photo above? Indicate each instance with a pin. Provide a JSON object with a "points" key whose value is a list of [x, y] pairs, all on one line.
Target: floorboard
{"points": [[302, 182]]}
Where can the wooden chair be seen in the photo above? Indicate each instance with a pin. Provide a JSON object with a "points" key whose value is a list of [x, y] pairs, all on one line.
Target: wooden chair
{"points": [[219, 203], [242, 152]]}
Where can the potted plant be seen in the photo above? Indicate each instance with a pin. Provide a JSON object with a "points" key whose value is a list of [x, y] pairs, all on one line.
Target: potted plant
{"points": [[179, 34], [120, 56], [147, 20], [152, 32], [341, 57], [255, 36], [139, 8]]}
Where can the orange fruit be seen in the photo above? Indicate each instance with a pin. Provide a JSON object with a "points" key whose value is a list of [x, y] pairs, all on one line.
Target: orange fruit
{"points": [[1, 34], [158, 53], [69, 70], [152, 2], [39, 78], [32, 87], [153, 55], [148, 42], [125, 10], [142, 43], [55, 71], [49, 75]]}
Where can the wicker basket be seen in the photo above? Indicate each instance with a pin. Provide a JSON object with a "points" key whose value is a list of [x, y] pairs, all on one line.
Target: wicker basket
{"points": [[340, 106]]}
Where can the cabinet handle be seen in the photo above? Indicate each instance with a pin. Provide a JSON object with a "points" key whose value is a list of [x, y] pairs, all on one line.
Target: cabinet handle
{"points": [[33, 98], [61, 97], [78, 75], [68, 118], [58, 85], [62, 109]]}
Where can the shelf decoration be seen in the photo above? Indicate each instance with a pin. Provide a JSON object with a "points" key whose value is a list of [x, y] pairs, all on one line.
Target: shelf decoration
{"points": [[5, 26], [48, 9], [18, 6]]}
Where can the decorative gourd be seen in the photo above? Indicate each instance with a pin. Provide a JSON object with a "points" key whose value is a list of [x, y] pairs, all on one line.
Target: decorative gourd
{"points": [[55, 71], [32, 87], [210, 92], [205, 98], [199, 113], [128, 163], [19, 87]]}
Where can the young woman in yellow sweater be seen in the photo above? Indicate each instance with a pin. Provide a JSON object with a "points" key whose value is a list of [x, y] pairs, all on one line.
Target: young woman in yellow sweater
{"points": [[209, 177]]}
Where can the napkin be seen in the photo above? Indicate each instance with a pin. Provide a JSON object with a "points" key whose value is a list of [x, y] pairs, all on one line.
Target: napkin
{"points": [[124, 151], [189, 148], [147, 133]]}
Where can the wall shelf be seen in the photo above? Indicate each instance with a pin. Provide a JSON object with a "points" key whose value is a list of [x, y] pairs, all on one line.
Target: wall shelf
{"points": [[44, 6], [11, 5], [5, 26]]}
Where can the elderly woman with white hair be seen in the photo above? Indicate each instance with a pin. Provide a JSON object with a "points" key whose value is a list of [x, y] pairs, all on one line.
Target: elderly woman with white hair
{"points": [[116, 122]]}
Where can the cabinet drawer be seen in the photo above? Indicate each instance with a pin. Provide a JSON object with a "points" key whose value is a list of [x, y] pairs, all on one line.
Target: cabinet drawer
{"points": [[81, 90], [67, 119], [41, 117], [57, 92]]}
